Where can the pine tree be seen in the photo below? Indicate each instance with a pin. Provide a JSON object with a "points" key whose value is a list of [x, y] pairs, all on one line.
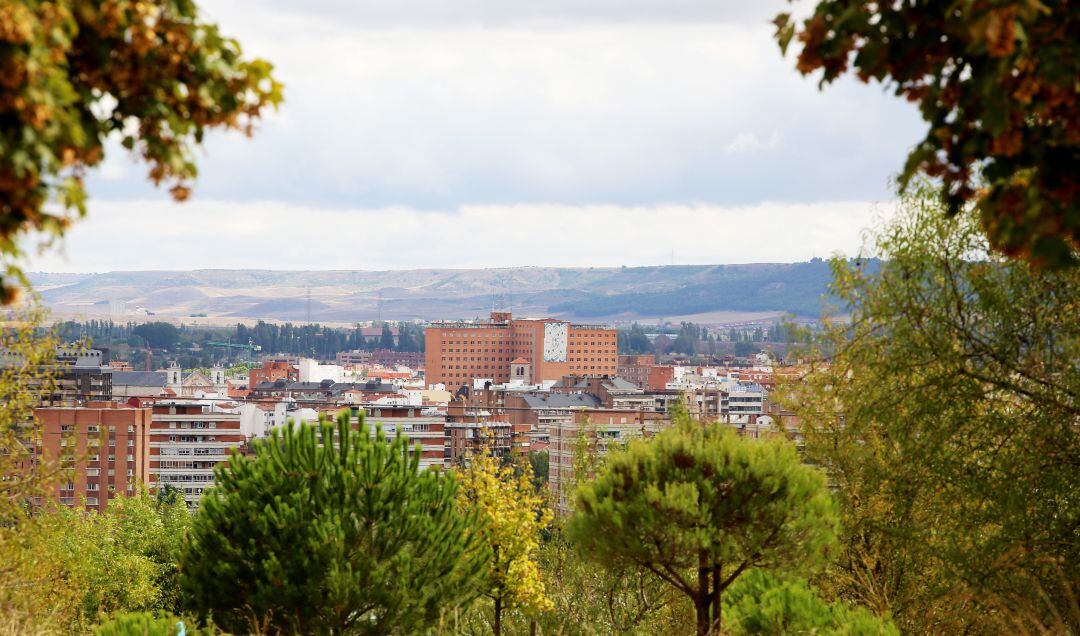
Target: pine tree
{"points": [[331, 530], [698, 506]]}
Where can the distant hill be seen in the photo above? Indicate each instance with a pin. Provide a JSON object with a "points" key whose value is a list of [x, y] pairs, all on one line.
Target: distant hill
{"points": [[595, 293]]}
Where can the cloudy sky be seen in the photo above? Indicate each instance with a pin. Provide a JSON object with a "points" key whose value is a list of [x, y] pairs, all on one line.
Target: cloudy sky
{"points": [[472, 133]]}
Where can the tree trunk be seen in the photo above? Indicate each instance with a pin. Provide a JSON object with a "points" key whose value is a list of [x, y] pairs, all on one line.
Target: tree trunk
{"points": [[716, 592], [702, 599], [701, 604], [498, 616]]}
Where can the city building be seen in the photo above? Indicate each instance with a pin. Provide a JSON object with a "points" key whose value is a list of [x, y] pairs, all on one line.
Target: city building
{"points": [[602, 430], [389, 358], [102, 448], [315, 393], [187, 440], [272, 371], [746, 402], [636, 368], [464, 439], [79, 375], [128, 384], [354, 357], [505, 348], [424, 428], [613, 392]]}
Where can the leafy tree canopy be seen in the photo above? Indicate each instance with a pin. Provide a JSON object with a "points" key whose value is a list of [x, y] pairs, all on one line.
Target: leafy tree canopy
{"points": [[995, 81], [73, 73], [60, 569], [947, 418], [328, 529], [160, 335], [511, 513], [764, 603], [698, 506]]}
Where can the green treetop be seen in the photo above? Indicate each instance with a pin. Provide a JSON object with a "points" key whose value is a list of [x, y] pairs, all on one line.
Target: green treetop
{"points": [[331, 530], [698, 506]]}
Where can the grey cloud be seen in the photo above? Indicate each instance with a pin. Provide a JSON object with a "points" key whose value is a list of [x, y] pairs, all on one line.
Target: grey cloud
{"points": [[499, 12], [595, 111]]}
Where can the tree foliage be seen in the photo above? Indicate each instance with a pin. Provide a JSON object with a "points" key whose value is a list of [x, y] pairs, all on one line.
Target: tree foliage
{"points": [[27, 357], [764, 603], [948, 421], [74, 74], [995, 81], [589, 600], [160, 335], [698, 506], [144, 624], [62, 569], [511, 513], [331, 530]]}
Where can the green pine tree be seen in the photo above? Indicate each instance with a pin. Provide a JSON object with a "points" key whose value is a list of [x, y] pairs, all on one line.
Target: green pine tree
{"points": [[347, 537], [698, 506]]}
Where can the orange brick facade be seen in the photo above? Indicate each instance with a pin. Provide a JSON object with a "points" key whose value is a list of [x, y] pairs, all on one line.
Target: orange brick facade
{"points": [[103, 448], [272, 372], [458, 352]]}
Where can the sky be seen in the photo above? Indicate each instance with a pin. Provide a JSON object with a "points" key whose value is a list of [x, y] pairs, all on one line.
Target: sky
{"points": [[495, 133]]}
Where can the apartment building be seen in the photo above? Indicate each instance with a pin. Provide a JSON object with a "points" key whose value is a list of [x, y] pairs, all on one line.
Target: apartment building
{"points": [[603, 430], [613, 392], [187, 441], [425, 428], [102, 448], [464, 439], [272, 371], [353, 357], [636, 368], [746, 402], [504, 348]]}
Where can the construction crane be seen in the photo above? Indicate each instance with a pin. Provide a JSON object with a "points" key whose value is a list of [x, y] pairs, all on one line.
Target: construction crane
{"points": [[249, 347]]}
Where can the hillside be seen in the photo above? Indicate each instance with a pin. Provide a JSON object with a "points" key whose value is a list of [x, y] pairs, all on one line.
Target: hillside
{"points": [[625, 293]]}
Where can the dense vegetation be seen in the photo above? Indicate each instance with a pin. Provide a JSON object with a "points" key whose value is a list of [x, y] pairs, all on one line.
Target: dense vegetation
{"points": [[949, 422], [697, 507], [191, 345]]}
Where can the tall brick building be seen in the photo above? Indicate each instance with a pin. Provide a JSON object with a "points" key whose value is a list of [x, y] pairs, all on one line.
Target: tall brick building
{"points": [[504, 349], [103, 449]]}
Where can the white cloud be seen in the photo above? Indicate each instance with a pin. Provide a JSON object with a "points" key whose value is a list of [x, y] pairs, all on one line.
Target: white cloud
{"points": [[748, 143], [426, 133], [273, 235], [437, 113]]}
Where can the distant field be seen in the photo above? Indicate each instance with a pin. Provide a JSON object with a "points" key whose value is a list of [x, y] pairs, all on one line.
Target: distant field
{"points": [[701, 293]]}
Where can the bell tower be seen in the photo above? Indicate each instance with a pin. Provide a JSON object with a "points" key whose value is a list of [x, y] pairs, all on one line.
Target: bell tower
{"points": [[521, 370]]}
